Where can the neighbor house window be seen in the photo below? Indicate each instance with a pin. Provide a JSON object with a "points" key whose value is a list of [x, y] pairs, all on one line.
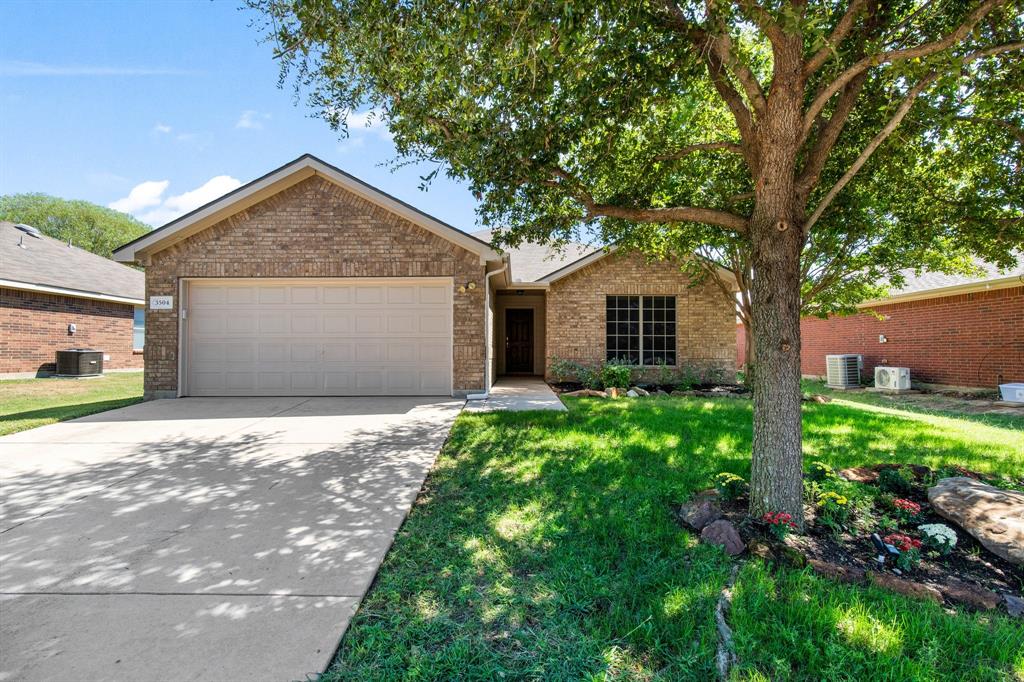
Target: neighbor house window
{"points": [[139, 328], [641, 330]]}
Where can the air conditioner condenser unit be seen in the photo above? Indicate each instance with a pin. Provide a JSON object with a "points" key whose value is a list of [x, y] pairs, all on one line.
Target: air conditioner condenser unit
{"points": [[843, 371], [892, 378]]}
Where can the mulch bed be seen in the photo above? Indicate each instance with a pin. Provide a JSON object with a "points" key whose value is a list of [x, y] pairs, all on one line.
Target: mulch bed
{"points": [[696, 389], [969, 575]]}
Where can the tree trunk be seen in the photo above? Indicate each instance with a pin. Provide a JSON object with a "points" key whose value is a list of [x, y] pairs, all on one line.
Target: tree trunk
{"points": [[777, 466], [749, 352]]}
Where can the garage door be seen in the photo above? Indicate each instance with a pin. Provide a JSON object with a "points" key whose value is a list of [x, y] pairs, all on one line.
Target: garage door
{"points": [[319, 337]]}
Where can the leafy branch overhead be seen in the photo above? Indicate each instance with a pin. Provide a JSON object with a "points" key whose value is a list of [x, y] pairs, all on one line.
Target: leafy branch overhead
{"points": [[811, 147]]}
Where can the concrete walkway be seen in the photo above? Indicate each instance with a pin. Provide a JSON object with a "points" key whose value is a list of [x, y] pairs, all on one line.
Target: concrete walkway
{"points": [[202, 538], [518, 393]]}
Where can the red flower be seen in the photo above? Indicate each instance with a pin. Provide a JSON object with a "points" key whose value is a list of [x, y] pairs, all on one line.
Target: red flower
{"points": [[907, 505], [902, 542]]}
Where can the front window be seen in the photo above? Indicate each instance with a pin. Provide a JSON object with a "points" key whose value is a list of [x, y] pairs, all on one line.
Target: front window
{"points": [[139, 328], [641, 330]]}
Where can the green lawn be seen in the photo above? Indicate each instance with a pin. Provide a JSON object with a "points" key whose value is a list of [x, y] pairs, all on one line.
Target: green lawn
{"points": [[543, 547], [28, 403]]}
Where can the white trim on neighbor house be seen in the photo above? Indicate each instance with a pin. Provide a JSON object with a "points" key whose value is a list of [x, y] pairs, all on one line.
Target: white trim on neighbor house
{"points": [[304, 167], [942, 292], [74, 293]]}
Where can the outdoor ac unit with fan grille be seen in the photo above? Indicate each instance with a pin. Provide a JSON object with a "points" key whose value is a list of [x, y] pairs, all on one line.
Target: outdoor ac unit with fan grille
{"points": [[892, 378], [842, 371]]}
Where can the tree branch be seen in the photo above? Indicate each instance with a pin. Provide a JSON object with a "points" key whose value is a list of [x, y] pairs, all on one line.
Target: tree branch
{"points": [[878, 139], [702, 146], [828, 136], [890, 56], [839, 33]]}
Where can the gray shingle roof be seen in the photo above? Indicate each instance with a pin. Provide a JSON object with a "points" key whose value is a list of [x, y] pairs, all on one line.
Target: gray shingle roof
{"points": [[927, 281], [529, 262], [49, 262]]}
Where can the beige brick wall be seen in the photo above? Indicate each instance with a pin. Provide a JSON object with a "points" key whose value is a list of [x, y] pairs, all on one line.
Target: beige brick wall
{"points": [[705, 327], [314, 229]]}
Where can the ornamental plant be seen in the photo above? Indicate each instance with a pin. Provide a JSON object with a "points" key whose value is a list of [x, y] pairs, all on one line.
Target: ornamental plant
{"points": [[898, 479], [729, 485], [780, 524], [819, 471], [938, 537], [910, 550], [833, 509], [906, 511]]}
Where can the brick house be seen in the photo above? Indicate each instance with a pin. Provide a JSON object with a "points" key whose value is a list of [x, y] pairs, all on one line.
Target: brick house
{"points": [[949, 330], [55, 296], [308, 281]]}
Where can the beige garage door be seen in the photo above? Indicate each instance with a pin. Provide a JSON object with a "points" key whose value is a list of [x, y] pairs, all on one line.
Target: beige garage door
{"points": [[319, 337]]}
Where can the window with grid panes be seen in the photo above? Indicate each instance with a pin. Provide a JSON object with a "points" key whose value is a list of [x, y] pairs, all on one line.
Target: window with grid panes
{"points": [[641, 330]]}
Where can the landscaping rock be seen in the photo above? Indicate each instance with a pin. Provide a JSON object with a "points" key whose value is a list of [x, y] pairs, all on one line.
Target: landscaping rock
{"points": [[631, 393], [844, 574], [1014, 605], [762, 549], [684, 394], [822, 399], [587, 393], [972, 595], [995, 517], [700, 512], [906, 587], [643, 393], [613, 392], [723, 534], [860, 475]]}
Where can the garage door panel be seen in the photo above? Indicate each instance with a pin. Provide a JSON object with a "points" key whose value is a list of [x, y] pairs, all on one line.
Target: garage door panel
{"points": [[288, 337]]}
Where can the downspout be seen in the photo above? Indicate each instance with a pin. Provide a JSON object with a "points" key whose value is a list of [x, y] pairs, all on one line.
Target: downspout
{"points": [[488, 330]]}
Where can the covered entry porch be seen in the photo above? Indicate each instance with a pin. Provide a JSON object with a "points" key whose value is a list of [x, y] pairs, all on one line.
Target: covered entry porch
{"points": [[520, 327]]}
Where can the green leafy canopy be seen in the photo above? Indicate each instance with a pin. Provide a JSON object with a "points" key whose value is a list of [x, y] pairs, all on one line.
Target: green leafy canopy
{"points": [[94, 228]]}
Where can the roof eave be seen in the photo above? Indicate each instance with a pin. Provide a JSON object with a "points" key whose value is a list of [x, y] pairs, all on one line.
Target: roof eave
{"points": [[304, 167], [943, 292], [73, 293]]}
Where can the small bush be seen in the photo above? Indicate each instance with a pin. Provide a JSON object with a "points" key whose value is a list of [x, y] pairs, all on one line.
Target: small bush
{"points": [[730, 486], [589, 377], [819, 471], [906, 510], [780, 524], [896, 479], [938, 537], [616, 374], [686, 378], [833, 510], [563, 370]]}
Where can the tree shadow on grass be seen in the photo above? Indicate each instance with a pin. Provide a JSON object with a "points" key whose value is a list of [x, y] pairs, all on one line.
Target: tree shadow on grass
{"points": [[19, 421], [543, 546]]}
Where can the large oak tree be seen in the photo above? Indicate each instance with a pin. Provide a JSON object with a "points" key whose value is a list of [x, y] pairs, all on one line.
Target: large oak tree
{"points": [[808, 144]]}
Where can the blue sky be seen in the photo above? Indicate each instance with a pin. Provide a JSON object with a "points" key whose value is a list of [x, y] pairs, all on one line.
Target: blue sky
{"points": [[152, 106]]}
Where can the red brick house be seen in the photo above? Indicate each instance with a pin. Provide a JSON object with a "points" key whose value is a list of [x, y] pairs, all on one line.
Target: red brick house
{"points": [[949, 330], [55, 296], [308, 281]]}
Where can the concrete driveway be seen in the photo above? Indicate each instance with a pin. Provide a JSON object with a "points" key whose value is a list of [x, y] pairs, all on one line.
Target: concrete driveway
{"points": [[202, 538]]}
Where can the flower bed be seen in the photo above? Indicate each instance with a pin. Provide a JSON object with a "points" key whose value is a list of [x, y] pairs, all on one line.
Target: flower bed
{"points": [[880, 528]]}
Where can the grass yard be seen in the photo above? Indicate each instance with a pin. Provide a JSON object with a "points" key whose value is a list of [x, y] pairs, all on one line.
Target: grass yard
{"points": [[28, 403], [544, 547]]}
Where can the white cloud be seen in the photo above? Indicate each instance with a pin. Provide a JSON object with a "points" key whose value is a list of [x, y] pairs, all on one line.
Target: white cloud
{"points": [[162, 128], [149, 195], [142, 196], [252, 120], [369, 122], [20, 68]]}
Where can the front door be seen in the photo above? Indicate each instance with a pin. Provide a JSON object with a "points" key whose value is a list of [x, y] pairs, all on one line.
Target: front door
{"points": [[519, 341]]}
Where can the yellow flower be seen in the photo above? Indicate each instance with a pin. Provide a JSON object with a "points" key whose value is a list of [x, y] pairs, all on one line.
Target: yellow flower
{"points": [[832, 497]]}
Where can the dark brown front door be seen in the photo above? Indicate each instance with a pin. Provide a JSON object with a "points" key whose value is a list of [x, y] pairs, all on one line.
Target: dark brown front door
{"points": [[519, 341]]}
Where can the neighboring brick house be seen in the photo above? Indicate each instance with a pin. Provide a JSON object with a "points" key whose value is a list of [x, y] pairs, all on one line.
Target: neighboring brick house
{"points": [[46, 286], [308, 281], [949, 330]]}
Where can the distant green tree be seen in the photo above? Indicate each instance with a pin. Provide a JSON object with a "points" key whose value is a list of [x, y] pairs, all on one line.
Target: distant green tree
{"points": [[91, 227]]}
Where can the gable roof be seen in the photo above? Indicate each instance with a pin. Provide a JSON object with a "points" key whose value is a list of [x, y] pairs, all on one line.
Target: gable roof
{"points": [[935, 284], [306, 166], [35, 262], [530, 262]]}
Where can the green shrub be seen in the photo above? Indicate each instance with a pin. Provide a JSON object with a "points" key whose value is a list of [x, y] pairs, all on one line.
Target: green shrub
{"points": [[615, 374], [686, 378], [899, 479], [563, 370], [730, 486], [589, 377], [819, 471]]}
